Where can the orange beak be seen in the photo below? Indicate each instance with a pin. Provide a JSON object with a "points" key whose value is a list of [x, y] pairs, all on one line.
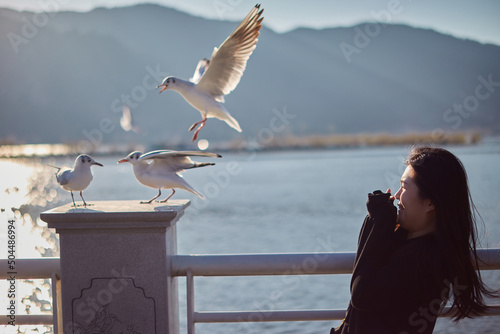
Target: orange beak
{"points": [[122, 160], [163, 88]]}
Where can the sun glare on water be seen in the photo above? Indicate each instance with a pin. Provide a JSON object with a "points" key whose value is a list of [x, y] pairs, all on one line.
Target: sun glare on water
{"points": [[14, 180]]}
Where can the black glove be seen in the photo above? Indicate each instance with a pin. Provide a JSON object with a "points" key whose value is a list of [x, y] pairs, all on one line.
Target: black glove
{"points": [[380, 203]]}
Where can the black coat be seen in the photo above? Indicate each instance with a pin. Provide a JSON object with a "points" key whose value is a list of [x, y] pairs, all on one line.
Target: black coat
{"points": [[398, 285]]}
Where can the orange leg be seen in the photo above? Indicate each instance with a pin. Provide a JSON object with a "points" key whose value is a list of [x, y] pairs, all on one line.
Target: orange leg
{"points": [[195, 136], [201, 125], [166, 199], [191, 128]]}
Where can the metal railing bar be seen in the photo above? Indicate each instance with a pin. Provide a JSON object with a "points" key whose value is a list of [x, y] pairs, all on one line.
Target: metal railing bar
{"points": [[244, 316], [239, 264], [263, 264], [29, 319], [268, 316], [493, 310], [489, 258], [287, 264], [295, 315], [38, 268], [56, 304], [190, 303]]}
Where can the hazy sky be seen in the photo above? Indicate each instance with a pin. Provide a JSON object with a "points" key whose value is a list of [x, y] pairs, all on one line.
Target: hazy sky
{"points": [[474, 19]]}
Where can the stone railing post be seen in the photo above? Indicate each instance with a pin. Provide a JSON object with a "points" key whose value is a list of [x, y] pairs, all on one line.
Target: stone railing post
{"points": [[115, 266]]}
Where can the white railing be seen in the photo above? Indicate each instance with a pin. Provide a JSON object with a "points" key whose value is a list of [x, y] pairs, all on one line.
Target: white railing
{"points": [[41, 268], [231, 265]]}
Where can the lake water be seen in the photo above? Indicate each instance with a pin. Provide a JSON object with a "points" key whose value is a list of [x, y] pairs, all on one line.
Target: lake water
{"points": [[264, 202]]}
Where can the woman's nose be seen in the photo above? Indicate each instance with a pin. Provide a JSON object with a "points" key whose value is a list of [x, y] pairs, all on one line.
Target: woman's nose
{"points": [[398, 194]]}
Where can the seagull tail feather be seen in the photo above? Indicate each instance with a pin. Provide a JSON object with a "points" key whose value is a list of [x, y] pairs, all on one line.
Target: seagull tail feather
{"points": [[232, 122], [52, 166], [193, 191], [187, 187]]}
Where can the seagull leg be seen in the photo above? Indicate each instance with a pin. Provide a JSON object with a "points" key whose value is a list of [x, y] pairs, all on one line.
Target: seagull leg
{"points": [[152, 199], [166, 199], [74, 204], [81, 195], [201, 125], [195, 136], [191, 128]]}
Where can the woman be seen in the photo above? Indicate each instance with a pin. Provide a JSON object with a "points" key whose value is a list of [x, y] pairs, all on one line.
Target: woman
{"points": [[410, 262]]}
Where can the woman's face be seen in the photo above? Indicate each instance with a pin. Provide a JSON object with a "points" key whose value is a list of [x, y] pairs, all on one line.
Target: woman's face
{"points": [[416, 215]]}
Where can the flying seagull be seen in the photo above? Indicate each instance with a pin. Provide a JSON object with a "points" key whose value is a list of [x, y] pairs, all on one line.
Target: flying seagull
{"points": [[77, 178], [161, 169], [216, 77], [126, 121]]}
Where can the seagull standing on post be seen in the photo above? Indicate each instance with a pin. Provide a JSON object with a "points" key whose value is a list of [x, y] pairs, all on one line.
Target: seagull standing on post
{"points": [[77, 178], [160, 169], [216, 77]]}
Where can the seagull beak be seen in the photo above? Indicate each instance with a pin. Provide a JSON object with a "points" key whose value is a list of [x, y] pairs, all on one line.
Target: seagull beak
{"points": [[122, 161], [164, 87], [98, 164]]}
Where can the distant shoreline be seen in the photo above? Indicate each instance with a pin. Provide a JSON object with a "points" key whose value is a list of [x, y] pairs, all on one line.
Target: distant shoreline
{"points": [[334, 141], [286, 142]]}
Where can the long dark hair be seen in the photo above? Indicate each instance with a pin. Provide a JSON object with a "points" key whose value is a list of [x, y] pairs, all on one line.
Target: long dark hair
{"points": [[441, 177]]}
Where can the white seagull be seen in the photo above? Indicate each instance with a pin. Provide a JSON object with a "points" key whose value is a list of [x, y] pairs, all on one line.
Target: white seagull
{"points": [[77, 178], [126, 121], [216, 77], [161, 169]]}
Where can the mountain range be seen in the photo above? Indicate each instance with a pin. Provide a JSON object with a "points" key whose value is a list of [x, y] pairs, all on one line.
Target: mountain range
{"points": [[66, 77]]}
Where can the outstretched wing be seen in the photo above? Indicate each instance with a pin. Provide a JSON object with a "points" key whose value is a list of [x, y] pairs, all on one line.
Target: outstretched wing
{"points": [[176, 161], [230, 59]]}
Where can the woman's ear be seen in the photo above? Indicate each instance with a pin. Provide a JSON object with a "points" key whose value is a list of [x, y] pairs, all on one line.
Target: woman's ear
{"points": [[428, 205]]}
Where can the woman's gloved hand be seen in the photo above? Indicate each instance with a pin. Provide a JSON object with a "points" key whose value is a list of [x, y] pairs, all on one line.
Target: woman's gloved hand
{"points": [[380, 203]]}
